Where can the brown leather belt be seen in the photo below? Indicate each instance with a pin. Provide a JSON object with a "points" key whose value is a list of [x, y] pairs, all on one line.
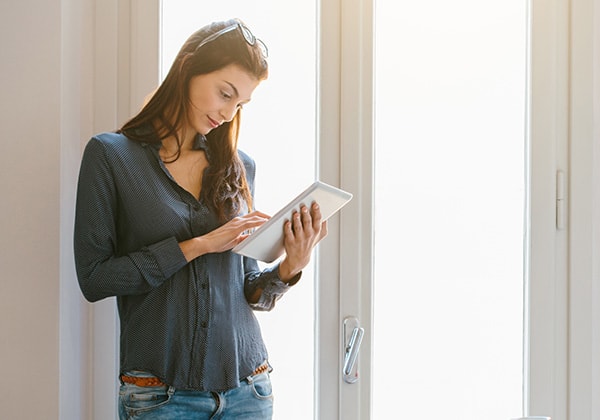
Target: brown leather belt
{"points": [[143, 382], [154, 381], [261, 369]]}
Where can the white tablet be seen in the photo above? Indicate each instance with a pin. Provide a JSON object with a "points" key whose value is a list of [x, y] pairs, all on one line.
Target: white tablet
{"points": [[266, 243]]}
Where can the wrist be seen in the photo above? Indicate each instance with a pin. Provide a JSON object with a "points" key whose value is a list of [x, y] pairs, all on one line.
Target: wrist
{"points": [[286, 271], [201, 245], [193, 248]]}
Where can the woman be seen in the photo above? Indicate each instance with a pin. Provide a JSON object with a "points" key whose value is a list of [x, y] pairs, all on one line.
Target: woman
{"points": [[160, 204]]}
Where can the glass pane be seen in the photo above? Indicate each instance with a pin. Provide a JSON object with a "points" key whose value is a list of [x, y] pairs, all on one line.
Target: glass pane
{"points": [[450, 180], [278, 131]]}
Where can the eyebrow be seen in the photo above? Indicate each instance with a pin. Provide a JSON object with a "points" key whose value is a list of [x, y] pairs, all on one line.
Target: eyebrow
{"points": [[235, 91]]}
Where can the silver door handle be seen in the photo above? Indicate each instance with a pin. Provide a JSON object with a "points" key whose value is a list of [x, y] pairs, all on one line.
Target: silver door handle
{"points": [[351, 349]]}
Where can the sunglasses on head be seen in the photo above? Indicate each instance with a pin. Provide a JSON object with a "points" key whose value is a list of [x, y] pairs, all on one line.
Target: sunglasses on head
{"points": [[247, 34]]}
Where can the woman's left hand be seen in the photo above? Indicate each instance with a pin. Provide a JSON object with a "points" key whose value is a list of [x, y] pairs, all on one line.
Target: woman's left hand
{"points": [[301, 234]]}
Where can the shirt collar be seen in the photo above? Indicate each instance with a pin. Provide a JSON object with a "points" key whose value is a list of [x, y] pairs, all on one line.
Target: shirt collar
{"points": [[200, 143]]}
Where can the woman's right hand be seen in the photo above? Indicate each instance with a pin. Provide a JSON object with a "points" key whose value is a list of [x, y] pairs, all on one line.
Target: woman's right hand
{"points": [[224, 237]]}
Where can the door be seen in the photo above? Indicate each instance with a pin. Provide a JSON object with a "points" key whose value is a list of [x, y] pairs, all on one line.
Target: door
{"points": [[449, 256]]}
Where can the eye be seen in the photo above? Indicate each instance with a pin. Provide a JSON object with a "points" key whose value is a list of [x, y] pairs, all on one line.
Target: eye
{"points": [[225, 95]]}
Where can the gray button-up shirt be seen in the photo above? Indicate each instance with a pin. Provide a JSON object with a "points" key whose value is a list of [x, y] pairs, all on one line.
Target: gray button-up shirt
{"points": [[187, 323]]}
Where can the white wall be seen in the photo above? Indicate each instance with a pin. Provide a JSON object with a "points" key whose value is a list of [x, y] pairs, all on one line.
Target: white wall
{"points": [[45, 109], [65, 75], [76, 117]]}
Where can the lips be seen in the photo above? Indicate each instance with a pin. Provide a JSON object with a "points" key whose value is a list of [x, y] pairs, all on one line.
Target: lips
{"points": [[213, 123]]}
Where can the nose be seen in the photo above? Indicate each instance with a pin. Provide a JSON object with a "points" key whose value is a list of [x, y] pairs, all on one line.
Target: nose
{"points": [[228, 112]]}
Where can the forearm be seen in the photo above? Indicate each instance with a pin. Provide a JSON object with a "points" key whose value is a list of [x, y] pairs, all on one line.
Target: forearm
{"points": [[193, 248]]}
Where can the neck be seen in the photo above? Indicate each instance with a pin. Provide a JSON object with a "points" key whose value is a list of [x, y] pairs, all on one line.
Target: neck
{"points": [[171, 146]]}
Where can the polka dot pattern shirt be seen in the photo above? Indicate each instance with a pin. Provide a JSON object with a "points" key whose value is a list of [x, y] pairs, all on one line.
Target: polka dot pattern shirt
{"points": [[189, 324]]}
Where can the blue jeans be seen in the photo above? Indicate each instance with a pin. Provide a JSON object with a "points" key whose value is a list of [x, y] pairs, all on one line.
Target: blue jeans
{"points": [[252, 400]]}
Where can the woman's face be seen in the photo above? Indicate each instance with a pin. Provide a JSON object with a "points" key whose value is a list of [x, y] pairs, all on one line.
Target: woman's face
{"points": [[216, 97]]}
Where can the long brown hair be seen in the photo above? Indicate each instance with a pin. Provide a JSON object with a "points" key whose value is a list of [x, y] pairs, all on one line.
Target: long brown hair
{"points": [[224, 186]]}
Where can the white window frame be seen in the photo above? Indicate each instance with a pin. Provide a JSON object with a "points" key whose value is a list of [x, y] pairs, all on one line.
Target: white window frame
{"points": [[584, 222], [345, 130], [563, 321], [546, 293]]}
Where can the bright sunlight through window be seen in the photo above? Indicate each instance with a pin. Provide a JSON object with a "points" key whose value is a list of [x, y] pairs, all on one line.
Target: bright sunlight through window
{"points": [[450, 189]]}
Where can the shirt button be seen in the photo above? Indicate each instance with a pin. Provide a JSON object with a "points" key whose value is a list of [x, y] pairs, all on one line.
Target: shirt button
{"points": [[204, 324], [205, 286]]}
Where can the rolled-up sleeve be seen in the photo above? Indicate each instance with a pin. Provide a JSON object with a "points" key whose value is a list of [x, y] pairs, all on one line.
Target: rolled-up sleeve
{"points": [[268, 282]]}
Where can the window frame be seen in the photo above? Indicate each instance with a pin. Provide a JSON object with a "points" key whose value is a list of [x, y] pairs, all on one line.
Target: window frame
{"points": [[546, 285]]}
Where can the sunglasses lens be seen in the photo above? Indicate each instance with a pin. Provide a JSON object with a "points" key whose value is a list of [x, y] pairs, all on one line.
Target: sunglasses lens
{"points": [[248, 36], [252, 40], [263, 48]]}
